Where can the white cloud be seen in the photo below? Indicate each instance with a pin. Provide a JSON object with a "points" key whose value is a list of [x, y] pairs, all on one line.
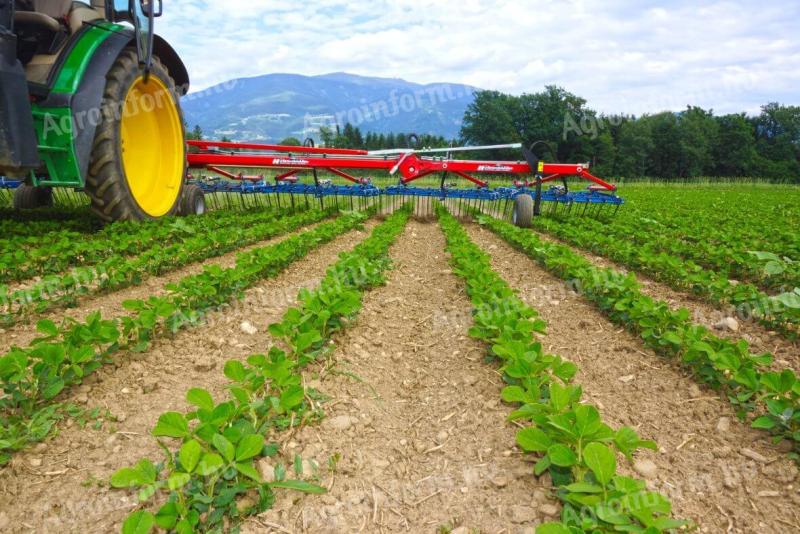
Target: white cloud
{"points": [[621, 56]]}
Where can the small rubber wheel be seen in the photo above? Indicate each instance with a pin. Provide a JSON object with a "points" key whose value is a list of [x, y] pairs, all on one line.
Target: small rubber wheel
{"points": [[523, 211], [28, 197], [138, 161], [193, 201]]}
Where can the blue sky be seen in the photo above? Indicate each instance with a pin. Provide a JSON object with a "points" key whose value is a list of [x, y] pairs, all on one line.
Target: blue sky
{"points": [[622, 56]]}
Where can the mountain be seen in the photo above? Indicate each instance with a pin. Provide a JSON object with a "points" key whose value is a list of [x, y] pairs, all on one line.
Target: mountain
{"points": [[275, 106]]}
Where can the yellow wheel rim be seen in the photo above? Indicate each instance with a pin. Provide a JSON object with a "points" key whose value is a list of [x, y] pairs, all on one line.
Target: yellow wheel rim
{"points": [[153, 149]]}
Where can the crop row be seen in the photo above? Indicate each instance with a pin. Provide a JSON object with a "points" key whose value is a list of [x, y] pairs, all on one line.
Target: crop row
{"points": [[118, 272], [728, 256], [211, 481], [771, 398], [32, 377], [781, 312], [56, 253], [575, 447], [759, 219], [34, 224]]}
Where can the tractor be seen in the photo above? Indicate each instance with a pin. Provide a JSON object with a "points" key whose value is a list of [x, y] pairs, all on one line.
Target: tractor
{"points": [[90, 99]]}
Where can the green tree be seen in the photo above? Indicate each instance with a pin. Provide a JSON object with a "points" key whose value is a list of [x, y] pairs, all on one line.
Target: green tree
{"points": [[490, 120], [634, 145], [734, 153], [196, 134], [326, 136], [291, 141]]}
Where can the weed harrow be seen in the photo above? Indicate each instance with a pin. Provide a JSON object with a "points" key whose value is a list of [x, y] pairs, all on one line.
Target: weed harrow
{"points": [[365, 178], [523, 198]]}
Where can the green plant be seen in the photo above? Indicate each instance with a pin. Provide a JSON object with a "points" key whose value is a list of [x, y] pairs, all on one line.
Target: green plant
{"points": [[212, 479], [33, 377], [771, 398], [117, 271], [573, 444]]}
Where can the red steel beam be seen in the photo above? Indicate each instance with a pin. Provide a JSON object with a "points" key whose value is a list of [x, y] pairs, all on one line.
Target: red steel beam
{"points": [[410, 166], [207, 145]]}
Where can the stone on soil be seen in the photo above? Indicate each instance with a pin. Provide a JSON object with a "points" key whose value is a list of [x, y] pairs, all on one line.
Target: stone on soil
{"points": [[646, 468], [728, 323]]}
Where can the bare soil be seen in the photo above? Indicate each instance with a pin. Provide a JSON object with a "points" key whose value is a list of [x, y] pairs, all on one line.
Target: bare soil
{"points": [[718, 472], [110, 304], [62, 484], [760, 338], [415, 418]]}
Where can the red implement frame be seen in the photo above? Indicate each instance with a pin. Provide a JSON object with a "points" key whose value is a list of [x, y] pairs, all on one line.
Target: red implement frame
{"points": [[213, 155]]}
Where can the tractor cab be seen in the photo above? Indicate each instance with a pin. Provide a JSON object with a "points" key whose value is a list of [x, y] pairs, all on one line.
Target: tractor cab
{"points": [[89, 99]]}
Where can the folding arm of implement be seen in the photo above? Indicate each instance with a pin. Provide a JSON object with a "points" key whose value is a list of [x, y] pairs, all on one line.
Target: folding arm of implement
{"points": [[527, 177]]}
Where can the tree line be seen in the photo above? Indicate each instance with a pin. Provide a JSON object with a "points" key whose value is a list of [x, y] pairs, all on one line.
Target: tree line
{"points": [[351, 137], [689, 144]]}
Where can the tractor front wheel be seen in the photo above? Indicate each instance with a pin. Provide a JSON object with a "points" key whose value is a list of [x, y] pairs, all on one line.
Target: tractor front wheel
{"points": [[28, 197], [139, 154], [523, 211]]}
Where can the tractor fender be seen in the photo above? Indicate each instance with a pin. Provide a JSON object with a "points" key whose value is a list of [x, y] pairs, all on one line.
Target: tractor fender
{"points": [[86, 103]]}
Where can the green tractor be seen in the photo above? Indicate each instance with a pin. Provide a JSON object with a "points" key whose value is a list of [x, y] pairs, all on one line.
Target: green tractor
{"points": [[90, 99]]}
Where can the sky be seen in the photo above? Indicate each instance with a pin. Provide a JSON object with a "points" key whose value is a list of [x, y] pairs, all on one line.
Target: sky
{"points": [[621, 56]]}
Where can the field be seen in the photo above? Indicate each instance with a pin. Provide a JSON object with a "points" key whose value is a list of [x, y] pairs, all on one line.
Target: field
{"points": [[297, 368]]}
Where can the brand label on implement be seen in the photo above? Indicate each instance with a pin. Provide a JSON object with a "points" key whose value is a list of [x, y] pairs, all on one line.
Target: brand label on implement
{"points": [[279, 161], [494, 168]]}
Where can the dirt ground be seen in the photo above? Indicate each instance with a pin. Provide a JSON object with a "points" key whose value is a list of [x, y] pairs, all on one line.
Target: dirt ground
{"points": [[415, 418], [110, 304], [717, 471], [760, 338], [415, 437], [61, 484]]}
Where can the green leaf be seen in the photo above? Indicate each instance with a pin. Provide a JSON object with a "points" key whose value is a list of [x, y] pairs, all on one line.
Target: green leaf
{"points": [[190, 454], [210, 464], [141, 522], [201, 398], [247, 469], [561, 455], [178, 480], [127, 477], [513, 394], [601, 460], [249, 446], [235, 370], [172, 425], [53, 388], [533, 439], [292, 397], [552, 528], [167, 516], [299, 485], [140, 475], [764, 422], [47, 327], [224, 446]]}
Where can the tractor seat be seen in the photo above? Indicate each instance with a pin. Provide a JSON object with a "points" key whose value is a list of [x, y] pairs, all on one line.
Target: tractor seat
{"points": [[43, 27]]}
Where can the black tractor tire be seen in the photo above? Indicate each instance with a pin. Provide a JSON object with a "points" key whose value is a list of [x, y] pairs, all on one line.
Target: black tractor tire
{"points": [[193, 201], [107, 185], [28, 197], [523, 211]]}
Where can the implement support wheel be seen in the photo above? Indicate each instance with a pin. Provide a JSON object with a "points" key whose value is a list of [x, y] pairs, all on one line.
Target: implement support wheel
{"points": [[523, 211], [193, 201]]}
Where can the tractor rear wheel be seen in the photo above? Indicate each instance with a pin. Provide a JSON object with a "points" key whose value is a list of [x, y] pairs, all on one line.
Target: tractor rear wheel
{"points": [[139, 154], [523, 211], [28, 197], [193, 201]]}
